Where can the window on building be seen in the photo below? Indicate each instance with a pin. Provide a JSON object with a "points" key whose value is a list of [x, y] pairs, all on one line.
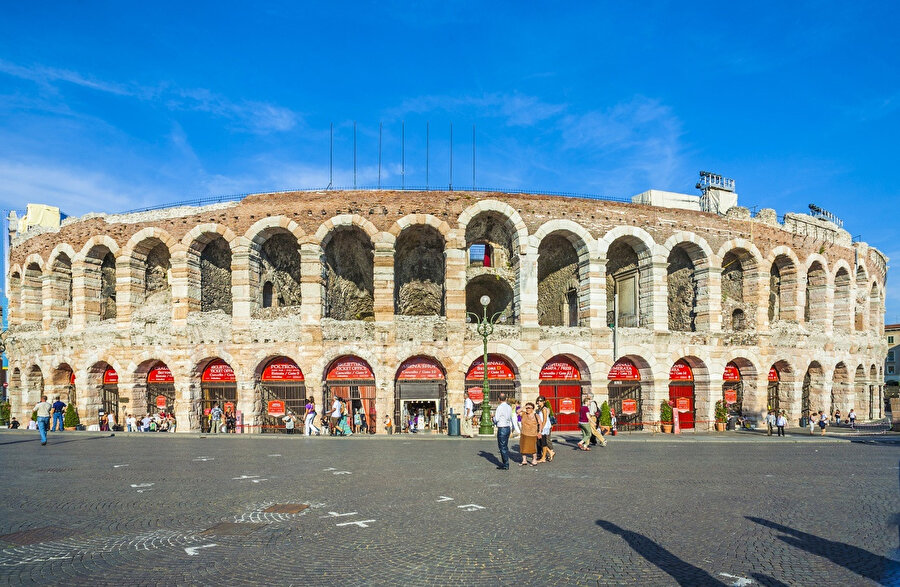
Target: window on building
{"points": [[890, 340], [481, 255], [890, 357], [890, 369]]}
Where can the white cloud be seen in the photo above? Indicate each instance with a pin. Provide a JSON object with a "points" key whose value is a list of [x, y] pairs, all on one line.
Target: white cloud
{"points": [[514, 109]]}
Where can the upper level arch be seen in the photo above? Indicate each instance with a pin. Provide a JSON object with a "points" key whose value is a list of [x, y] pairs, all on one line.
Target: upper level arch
{"points": [[327, 229], [511, 218]]}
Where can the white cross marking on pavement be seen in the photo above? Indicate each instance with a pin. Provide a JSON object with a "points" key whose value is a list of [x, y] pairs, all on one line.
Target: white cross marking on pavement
{"points": [[361, 524], [143, 490], [257, 480], [330, 469], [117, 466], [192, 550], [342, 473], [204, 459], [274, 455], [445, 498], [471, 507], [337, 515], [242, 477], [142, 485]]}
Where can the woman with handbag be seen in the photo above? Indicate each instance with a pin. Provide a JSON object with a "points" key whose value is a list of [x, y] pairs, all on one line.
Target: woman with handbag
{"points": [[529, 435], [546, 423]]}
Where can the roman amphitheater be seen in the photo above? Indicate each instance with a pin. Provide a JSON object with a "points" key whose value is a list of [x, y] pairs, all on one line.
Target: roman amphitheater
{"points": [[262, 303]]}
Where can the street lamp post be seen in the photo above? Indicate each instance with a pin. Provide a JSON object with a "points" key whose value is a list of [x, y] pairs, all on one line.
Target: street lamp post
{"points": [[485, 329]]}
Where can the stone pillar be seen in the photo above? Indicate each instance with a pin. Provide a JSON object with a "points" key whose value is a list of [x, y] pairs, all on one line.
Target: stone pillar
{"points": [[595, 316], [249, 403], [659, 302], [311, 287], [384, 403], [528, 288], [756, 404], [712, 303], [181, 302], [241, 289], [187, 396], [79, 295], [384, 281], [455, 280], [129, 284]]}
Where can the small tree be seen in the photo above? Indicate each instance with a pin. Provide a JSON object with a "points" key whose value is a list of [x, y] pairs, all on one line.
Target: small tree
{"points": [[70, 418], [605, 418], [34, 415], [5, 412], [665, 412], [721, 412]]}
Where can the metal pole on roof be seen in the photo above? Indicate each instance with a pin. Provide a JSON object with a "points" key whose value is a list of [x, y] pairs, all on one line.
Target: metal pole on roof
{"points": [[403, 155], [473, 157], [451, 157], [380, 127], [354, 154], [427, 152], [331, 159]]}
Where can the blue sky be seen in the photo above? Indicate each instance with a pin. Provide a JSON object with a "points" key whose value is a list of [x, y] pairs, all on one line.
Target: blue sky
{"points": [[113, 106]]}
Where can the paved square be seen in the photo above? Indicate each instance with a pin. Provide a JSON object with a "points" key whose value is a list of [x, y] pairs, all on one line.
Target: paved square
{"points": [[154, 508]]}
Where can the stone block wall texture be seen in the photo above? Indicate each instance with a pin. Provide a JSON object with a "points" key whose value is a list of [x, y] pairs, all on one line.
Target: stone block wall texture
{"points": [[385, 276]]}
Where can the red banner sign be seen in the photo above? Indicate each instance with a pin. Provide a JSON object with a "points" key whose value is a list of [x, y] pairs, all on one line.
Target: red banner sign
{"points": [[624, 370], [276, 408], [560, 368], [732, 373], [282, 369], [773, 374], [350, 368], [228, 407], [567, 406], [497, 369], [683, 404], [476, 394], [161, 402], [420, 368], [218, 371], [730, 396], [681, 371], [629, 406], [72, 378], [160, 374], [110, 377]]}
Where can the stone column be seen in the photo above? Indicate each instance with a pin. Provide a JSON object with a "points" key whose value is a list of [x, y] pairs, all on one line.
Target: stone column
{"points": [[595, 316], [311, 287], [455, 279], [384, 281], [249, 403], [187, 395], [241, 289], [128, 292], [528, 288], [79, 295], [659, 302], [711, 309], [181, 302]]}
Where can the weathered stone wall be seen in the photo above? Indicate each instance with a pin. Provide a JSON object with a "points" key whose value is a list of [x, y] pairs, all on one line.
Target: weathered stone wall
{"points": [[280, 267], [419, 272], [215, 277], [682, 291], [349, 289], [557, 276]]}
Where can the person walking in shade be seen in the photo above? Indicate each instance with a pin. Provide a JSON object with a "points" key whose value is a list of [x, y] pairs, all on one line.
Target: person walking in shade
{"points": [[584, 423], [215, 418], [468, 414], [503, 421], [309, 423], [43, 418], [823, 422], [851, 417], [770, 422], [780, 423]]}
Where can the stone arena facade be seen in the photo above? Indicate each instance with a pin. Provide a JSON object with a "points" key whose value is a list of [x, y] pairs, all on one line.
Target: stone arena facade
{"points": [[365, 294]]}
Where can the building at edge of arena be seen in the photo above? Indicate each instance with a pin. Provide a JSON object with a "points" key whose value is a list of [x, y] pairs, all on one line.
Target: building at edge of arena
{"points": [[263, 303]]}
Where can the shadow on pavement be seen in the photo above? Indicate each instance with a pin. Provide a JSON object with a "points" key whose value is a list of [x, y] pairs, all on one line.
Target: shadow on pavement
{"points": [[767, 581], [52, 441], [862, 562], [684, 573], [490, 457]]}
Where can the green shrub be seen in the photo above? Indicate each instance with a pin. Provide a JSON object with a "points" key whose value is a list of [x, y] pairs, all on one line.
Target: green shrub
{"points": [[5, 412], [34, 415], [605, 417], [70, 418], [721, 412], [665, 412]]}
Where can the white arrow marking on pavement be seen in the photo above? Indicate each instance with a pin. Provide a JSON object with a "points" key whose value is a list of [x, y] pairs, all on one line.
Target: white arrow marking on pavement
{"points": [[342, 473], [445, 498], [740, 581], [142, 485], [337, 515], [117, 466], [192, 550], [471, 507], [330, 469], [361, 524], [274, 455], [204, 459], [257, 480], [244, 477]]}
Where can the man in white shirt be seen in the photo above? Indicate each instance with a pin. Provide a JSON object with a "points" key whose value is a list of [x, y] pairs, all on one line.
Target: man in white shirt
{"points": [[335, 413], [468, 413], [43, 418], [503, 420]]}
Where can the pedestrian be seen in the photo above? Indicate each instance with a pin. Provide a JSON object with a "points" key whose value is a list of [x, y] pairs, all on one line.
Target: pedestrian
{"points": [[837, 417], [546, 424], [517, 420], [230, 421], [812, 421], [468, 414], [43, 418], [309, 423], [584, 423], [594, 419], [131, 423], [528, 436], [215, 419], [388, 425], [357, 421], [58, 408], [852, 418], [111, 422], [770, 422], [145, 423], [336, 407], [780, 423], [173, 423], [288, 420], [503, 420], [104, 423], [823, 422], [14, 423]]}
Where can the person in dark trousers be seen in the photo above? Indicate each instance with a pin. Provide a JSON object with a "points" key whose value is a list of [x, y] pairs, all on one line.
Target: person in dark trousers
{"points": [[780, 423], [58, 408], [503, 421]]}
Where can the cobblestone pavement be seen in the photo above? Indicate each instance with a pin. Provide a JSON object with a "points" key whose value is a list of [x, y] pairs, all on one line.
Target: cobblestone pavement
{"points": [[153, 508]]}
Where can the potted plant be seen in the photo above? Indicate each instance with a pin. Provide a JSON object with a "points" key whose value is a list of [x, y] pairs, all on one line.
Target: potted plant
{"points": [[70, 418], [5, 413], [665, 417], [606, 418], [721, 416]]}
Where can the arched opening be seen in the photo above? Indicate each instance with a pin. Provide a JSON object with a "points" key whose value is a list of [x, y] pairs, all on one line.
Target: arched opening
{"points": [[15, 298], [813, 388], [349, 275], [843, 314], [862, 294], [840, 390], [628, 283], [18, 396], [773, 393], [502, 299], [783, 290], [561, 382], [501, 377], [681, 290], [218, 388], [60, 282], [160, 393], [31, 294], [282, 390], [815, 308], [109, 400], [733, 390], [739, 270], [419, 272], [738, 320], [215, 276], [681, 391], [62, 384], [625, 395], [277, 270], [420, 396], [351, 380], [34, 386], [559, 282], [875, 401], [150, 269], [860, 400]]}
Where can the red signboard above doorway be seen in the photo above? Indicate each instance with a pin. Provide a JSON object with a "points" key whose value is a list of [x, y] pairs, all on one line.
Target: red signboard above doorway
{"points": [[732, 373], [476, 394], [624, 370], [560, 368], [282, 369], [629, 406], [160, 374], [681, 371], [110, 377], [773, 374], [218, 371], [420, 368], [349, 368], [497, 369]]}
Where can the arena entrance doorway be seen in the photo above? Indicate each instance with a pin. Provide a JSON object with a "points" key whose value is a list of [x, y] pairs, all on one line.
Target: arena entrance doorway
{"points": [[420, 396], [501, 379], [773, 399], [352, 379], [681, 391], [625, 395], [561, 384], [218, 385], [283, 390], [109, 400], [160, 389], [733, 390]]}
